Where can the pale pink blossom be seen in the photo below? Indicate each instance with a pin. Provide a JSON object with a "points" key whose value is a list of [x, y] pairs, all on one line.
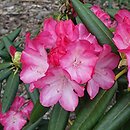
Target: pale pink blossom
{"points": [[34, 61], [57, 86], [102, 15], [16, 117], [103, 75], [79, 61], [121, 15]]}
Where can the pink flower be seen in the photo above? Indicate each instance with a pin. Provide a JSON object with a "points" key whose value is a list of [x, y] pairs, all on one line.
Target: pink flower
{"points": [[67, 33], [103, 76], [103, 16], [84, 34], [17, 115], [122, 14], [34, 61], [122, 35], [79, 61], [122, 40], [57, 86]]}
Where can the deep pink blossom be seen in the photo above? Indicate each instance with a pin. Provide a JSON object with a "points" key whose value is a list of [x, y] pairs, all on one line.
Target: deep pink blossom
{"points": [[79, 61], [34, 61], [17, 116], [103, 76], [102, 15], [122, 40], [57, 86], [122, 14], [67, 33]]}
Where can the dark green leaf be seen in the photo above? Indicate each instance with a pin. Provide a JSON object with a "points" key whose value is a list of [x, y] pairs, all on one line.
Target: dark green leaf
{"points": [[33, 95], [5, 65], [5, 73], [7, 42], [117, 116], [95, 25], [34, 125], [4, 54], [10, 91], [14, 34], [1, 45], [59, 118], [111, 12], [93, 111], [37, 112]]}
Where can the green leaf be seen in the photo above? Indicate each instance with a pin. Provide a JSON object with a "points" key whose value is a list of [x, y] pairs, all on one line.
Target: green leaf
{"points": [[58, 119], [94, 110], [111, 12], [1, 45], [37, 112], [7, 42], [4, 54], [33, 95], [95, 25], [117, 116], [14, 34], [5, 73], [5, 65], [34, 125], [36, 116], [10, 91], [44, 125]]}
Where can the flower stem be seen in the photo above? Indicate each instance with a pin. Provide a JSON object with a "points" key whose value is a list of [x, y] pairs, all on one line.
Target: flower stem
{"points": [[120, 73]]}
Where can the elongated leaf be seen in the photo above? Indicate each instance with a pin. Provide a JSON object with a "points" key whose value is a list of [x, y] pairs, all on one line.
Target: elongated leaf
{"points": [[5, 65], [14, 34], [111, 12], [59, 118], [34, 125], [5, 73], [1, 45], [117, 116], [33, 95], [37, 112], [95, 26], [4, 54], [36, 116], [90, 114], [10, 91], [7, 42], [44, 125]]}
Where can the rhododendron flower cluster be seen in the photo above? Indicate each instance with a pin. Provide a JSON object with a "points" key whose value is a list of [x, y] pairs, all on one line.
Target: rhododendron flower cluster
{"points": [[16, 117], [61, 59], [122, 35]]}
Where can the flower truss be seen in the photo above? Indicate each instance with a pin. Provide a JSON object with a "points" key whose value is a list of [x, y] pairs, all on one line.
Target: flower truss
{"points": [[16, 117], [122, 35], [63, 58]]}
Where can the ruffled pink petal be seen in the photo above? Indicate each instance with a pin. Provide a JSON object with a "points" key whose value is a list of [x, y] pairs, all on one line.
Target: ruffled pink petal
{"points": [[107, 59], [17, 104], [68, 100], [105, 78], [92, 88], [26, 111], [121, 14], [34, 65], [79, 62], [85, 35], [50, 94]]}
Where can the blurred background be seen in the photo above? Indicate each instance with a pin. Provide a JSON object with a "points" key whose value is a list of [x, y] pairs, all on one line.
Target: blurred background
{"points": [[30, 13]]}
